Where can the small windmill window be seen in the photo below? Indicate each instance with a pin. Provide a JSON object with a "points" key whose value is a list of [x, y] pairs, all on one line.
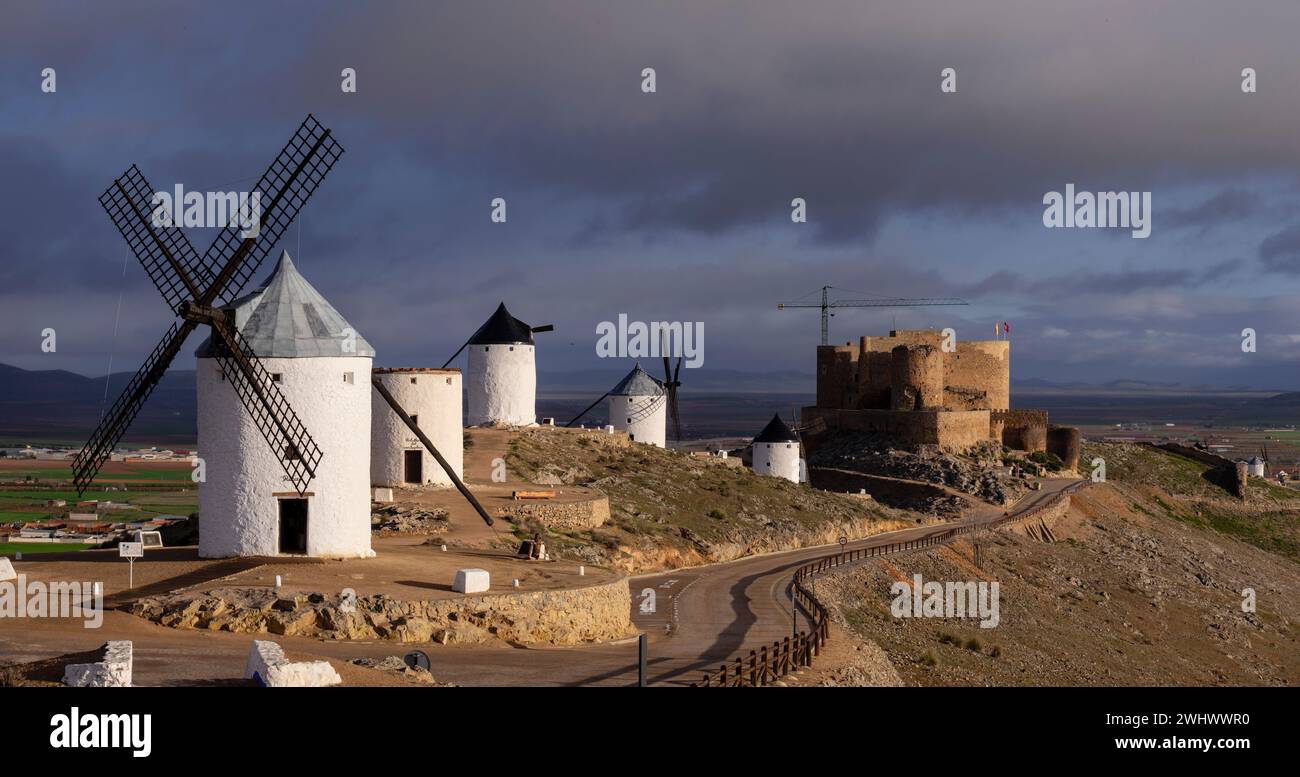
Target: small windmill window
{"points": [[448, 381], [347, 377], [277, 377], [291, 453], [415, 419], [413, 380], [512, 347]]}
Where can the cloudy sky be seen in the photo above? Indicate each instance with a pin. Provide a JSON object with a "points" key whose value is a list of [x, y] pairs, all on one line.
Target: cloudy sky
{"points": [[676, 205]]}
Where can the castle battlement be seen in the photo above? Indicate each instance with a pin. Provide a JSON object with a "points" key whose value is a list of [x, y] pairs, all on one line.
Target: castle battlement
{"points": [[907, 386]]}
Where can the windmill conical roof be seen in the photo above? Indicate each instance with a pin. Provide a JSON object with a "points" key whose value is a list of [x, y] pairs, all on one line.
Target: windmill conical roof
{"points": [[502, 329], [638, 383], [288, 318], [776, 431]]}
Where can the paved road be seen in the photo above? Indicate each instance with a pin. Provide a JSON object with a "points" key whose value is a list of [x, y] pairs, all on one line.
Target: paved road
{"points": [[702, 617]]}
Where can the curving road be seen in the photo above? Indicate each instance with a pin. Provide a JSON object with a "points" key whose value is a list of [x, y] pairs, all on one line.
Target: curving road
{"points": [[702, 617]]}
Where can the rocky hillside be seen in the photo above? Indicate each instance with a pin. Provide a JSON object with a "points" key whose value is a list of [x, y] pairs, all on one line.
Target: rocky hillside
{"points": [[1169, 486], [980, 472], [668, 509], [1144, 586]]}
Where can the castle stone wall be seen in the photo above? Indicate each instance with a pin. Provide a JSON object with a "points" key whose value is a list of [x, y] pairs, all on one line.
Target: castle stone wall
{"points": [[1065, 443], [916, 378]]}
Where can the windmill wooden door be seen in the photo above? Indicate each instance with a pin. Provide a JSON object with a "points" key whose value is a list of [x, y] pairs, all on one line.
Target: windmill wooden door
{"points": [[413, 467], [293, 526]]}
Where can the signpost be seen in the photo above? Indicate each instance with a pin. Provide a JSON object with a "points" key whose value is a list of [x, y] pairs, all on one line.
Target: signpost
{"points": [[131, 551]]}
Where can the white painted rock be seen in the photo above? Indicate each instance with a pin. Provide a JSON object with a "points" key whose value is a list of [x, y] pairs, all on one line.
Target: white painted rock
{"points": [[471, 581], [112, 672], [7, 569], [266, 663], [384, 495]]}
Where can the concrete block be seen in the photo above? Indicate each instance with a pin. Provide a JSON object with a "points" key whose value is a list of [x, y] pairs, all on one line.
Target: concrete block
{"points": [[471, 581], [384, 495], [267, 664], [7, 569], [114, 671]]}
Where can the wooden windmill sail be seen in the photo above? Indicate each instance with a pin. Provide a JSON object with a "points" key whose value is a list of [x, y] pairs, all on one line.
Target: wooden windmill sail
{"points": [[191, 285]]}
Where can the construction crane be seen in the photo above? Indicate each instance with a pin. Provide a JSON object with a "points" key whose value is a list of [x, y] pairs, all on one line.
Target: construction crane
{"points": [[883, 302]]}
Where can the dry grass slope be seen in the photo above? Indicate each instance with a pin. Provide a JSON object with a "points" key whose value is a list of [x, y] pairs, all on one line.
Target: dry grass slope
{"points": [[669, 510], [1144, 587]]}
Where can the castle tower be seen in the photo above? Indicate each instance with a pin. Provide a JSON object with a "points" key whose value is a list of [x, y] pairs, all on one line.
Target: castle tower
{"points": [[502, 379], [776, 451], [916, 378], [639, 406], [432, 398], [246, 504]]}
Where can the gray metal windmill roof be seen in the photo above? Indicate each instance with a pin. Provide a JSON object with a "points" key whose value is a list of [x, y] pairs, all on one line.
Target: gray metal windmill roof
{"points": [[638, 383], [288, 318]]}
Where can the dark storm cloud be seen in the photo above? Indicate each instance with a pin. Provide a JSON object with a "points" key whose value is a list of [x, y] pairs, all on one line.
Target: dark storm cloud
{"points": [[673, 205], [1227, 206], [1280, 252]]}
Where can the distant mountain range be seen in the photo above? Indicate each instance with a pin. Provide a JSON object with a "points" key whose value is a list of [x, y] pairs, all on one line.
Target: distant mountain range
{"points": [[1279, 409], [57, 405], [1038, 385], [702, 380]]}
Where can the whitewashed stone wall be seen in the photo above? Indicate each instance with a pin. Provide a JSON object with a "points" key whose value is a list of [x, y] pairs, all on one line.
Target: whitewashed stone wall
{"points": [[238, 507], [778, 459], [434, 396], [502, 385], [648, 414]]}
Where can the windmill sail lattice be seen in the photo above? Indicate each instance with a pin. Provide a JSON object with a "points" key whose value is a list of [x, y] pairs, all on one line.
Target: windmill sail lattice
{"points": [[190, 285]]}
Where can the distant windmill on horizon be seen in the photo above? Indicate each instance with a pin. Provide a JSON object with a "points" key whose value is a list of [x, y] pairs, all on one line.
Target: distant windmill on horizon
{"points": [[650, 404]]}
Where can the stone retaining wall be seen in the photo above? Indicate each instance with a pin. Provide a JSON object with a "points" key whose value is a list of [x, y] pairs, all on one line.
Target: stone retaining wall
{"points": [[587, 514], [564, 617]]}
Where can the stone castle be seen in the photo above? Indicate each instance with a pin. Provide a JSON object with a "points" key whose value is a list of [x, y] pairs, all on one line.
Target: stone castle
{"points": [[908, 387]]}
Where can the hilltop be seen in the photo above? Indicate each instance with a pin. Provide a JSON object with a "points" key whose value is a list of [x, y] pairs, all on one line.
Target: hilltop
{"points": [[668, 509], [1142, 587]]}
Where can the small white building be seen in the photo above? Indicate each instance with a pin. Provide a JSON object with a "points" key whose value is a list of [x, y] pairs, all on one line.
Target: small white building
{"points": [[502, 380], [247, 505], [1255, 467], [432, 397], [776, 451], [638, 405]]}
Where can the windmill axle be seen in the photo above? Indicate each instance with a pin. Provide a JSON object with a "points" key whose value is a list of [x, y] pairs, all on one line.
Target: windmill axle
{"points": [[200, 314]]}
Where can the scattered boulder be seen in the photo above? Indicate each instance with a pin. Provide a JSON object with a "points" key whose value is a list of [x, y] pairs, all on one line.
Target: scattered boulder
{"points": [[396, 665], [410, 519], [268, 666], [112, 671]]}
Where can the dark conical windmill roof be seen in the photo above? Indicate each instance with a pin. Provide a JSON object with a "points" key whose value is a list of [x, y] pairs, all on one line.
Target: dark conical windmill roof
{"points": [[776, 431], [638, 383], [287, 318], [502, 329]]}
